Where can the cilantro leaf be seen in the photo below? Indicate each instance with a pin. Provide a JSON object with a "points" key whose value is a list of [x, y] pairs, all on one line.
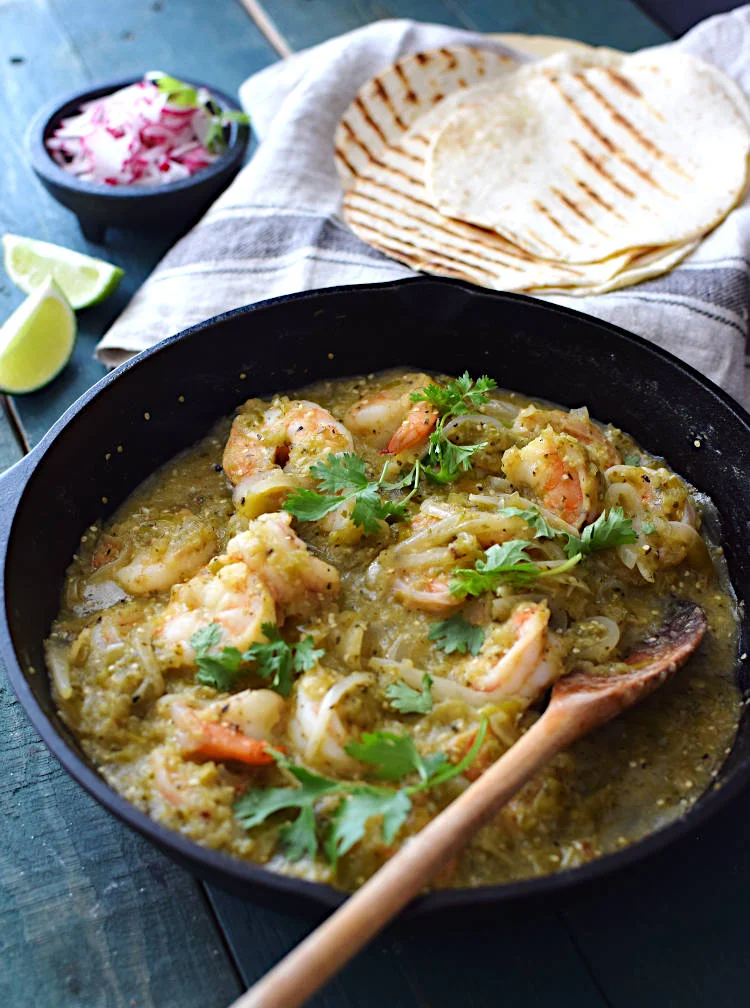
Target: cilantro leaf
{"points": [[408, 700], [444, 771], [309, 505], [393, 755], [258, 803], [610, 529], [177, 91], [356, 809], [648, 527], [446, 461], [506, 561], [341, 474], [632, 460], [344, 478], [278, 661], [460, 395], [533, 517], [456, 634], [219, 669], [298, 838]]}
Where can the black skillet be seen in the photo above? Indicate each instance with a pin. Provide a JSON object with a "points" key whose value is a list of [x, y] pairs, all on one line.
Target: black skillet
{"points": [[146, 411]]}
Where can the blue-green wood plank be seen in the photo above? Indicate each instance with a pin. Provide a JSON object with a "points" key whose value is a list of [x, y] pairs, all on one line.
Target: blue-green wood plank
{"points": [[48, 47], [617, 23], [90, 915], [672, 932], [523, 957]]}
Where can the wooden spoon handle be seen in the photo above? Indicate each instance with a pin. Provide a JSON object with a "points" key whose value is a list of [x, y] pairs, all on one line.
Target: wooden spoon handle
{"points": [[307, 967]]}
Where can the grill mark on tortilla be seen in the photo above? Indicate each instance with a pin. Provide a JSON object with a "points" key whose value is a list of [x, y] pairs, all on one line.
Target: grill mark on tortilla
{"points": [[423, 58], [386, 99], [419, 138], [359, 142], [461, 82], [575, 208], [538, 205], [541, 241], [451, 59], [386, 237], [479, 252], [340, 154], [594, 195], [604, 140], [598, 167], [629, 87], [627, 125], [364, 111]]}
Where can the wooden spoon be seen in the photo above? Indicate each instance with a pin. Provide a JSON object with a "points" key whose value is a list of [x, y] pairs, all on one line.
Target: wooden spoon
{"points": [[578, 704]]}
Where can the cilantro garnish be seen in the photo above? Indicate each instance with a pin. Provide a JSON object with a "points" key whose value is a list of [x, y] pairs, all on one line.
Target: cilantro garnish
{"points": [[632, 460], [648, 527], [533, 517], [407, 700], [275, 660], [457, 634], [610, 529], [393, 756], [187, 96], [445, 461], [343, 478], [506, 562]]}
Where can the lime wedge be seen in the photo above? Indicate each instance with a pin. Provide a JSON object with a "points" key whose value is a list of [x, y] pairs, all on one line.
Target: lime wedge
{"points": [[37, 340], [83, 280]]}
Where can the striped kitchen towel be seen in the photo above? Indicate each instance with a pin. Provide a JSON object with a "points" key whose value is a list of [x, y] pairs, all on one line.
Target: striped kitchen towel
{"points": [[278, 228]]}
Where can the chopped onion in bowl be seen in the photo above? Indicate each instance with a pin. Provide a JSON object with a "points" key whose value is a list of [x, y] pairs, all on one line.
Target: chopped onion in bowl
{"points": [[156, 131]]}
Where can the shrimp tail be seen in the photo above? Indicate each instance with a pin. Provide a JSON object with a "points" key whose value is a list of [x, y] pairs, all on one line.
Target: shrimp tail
{"points": [[211, 740]]}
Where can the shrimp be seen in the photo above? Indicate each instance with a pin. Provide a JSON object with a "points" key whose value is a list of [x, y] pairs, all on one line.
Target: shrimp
{"points": [[316, 729], [519, 658], [560, 473], [271, 448], [217, 741], [265, 575], [173, 547], [577, 424], [390, 421]]}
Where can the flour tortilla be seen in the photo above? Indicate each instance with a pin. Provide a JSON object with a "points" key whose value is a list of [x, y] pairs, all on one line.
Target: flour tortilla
{"points": [[581, 156], [380, 152]]}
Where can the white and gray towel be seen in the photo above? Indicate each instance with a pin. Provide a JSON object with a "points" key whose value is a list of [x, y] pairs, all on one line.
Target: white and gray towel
{"points": [[278, 228]]}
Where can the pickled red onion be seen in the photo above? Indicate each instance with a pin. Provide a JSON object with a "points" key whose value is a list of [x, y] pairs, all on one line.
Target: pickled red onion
{"points": [[135, 136]]}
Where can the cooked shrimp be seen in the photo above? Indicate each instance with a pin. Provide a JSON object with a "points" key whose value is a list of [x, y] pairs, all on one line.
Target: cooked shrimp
{"points": [[390, 421], [180, 546], [271, 448], [315, 728], [296, 579], [560, 473], [519, 658], [265, 575], [577, 424], [215, 740]]}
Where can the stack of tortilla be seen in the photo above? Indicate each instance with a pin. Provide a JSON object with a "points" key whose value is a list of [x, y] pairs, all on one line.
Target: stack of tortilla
{"points": [[577, 174]]}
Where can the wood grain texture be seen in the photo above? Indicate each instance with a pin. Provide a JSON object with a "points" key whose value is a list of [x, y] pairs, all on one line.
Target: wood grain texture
{"points": [[92, 916], [616, 23]]}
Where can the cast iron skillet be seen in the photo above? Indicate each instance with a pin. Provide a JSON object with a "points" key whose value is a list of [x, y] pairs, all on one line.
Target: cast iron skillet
{"points": [[146, 411]]}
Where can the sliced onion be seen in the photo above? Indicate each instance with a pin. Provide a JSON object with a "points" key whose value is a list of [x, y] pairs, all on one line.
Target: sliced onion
{"points": [[133, 136]]}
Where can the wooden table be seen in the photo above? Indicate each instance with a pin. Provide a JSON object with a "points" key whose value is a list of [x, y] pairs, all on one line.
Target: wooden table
{"points": [[91, 915]]}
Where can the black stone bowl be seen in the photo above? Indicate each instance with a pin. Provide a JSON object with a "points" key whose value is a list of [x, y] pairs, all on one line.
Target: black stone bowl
{"points": [[158, 208], [166, 398]]}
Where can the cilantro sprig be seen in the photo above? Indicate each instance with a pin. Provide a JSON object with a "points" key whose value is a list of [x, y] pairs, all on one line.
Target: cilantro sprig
{"points": [[407, 700], [274, 660], [610, 529], [506, 562], [186, 96], [457, 634], [343, 478], [392, 758], [445, 461]]}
